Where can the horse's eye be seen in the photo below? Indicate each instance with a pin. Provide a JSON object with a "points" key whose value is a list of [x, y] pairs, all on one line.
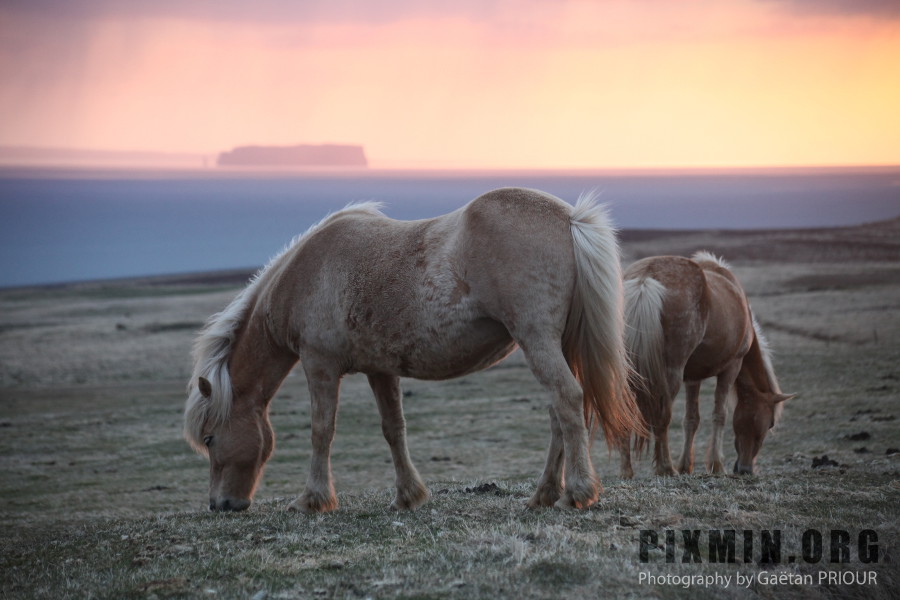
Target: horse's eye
{"points": [[207, 441]]}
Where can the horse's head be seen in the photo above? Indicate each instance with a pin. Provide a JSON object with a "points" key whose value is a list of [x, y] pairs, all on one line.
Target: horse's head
{"points": [[754, 415], [238, 447]]}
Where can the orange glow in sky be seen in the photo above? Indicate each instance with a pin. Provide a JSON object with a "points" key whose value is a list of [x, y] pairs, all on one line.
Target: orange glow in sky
{"points": [[479, 84]]}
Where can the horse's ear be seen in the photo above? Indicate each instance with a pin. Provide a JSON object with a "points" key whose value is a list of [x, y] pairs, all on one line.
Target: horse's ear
{"points": [[782, 397], [205, 387]]}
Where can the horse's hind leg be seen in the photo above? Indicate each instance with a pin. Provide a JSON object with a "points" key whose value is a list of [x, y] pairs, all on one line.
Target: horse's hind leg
{"points": [[550, 485], [319, 494], [691, 423], [715, 457], [411, 492], [661, 454], [582, 488], [625, 468]]}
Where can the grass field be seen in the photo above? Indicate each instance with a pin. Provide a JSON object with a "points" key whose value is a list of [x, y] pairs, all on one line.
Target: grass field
{"points": [[101, 498]]}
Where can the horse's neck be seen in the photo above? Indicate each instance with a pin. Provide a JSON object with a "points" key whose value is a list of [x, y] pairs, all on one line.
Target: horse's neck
{"points": [[258, 363]]}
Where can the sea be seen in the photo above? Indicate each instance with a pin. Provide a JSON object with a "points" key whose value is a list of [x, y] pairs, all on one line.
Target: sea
{"points": [[85, 225]]}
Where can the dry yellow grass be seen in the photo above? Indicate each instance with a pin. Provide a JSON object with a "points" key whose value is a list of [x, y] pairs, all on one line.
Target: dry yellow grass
{"points": [[101, 497]]}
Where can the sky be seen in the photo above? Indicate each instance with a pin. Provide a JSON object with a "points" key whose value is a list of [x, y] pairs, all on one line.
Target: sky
{"points": [[533, 84]]}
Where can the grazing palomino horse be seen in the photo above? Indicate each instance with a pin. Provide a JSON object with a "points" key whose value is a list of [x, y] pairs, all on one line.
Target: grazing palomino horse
{"points": [[429, 299], [688, 320]]}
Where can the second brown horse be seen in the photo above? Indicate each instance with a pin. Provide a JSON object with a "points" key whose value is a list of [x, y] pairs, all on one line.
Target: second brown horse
{"points": [[689, 320]]}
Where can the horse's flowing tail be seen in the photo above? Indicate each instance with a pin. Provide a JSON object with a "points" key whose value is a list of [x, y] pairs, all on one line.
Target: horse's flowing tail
{"points": [[644, 341], [593, 341]]}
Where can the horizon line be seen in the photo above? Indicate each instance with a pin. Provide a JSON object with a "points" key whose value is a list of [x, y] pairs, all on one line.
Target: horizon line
{"points": [[200, 163], [155, 171]]}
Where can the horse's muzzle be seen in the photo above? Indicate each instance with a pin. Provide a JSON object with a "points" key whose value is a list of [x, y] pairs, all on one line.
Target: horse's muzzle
{"points": [[740, 469], [228, 504]]}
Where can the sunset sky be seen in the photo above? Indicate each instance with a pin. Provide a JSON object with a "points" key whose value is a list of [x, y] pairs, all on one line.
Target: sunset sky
{"points": [[463, 84]]}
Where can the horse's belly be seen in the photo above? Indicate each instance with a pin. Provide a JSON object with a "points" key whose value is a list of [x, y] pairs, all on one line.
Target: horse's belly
{"points": [[708, 362], [440, 353], [468, 356], [698, 370]]}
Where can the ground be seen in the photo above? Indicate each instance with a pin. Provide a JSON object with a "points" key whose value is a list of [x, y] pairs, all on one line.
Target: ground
{"points": [[101, 498]]}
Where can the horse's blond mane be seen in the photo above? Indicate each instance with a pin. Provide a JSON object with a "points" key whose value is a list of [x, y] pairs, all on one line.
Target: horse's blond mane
{"points": [[766, 353], [213, 345]]}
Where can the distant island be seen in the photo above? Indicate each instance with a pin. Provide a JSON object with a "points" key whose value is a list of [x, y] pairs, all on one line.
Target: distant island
{"points": [[302, 155]]}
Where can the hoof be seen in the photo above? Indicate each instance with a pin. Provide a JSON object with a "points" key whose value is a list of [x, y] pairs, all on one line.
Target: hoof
{"points": [[410, 498], [309, 503], [579, 496], [570, 502], [685, 469], [545, 496], [666, 471], [715, 468], [627, 473]]}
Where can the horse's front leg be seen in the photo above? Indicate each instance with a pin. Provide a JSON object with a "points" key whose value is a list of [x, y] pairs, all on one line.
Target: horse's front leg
{"points": [[324, 389], [715, 456], [691, 423], [550, 485], [411, 491]]}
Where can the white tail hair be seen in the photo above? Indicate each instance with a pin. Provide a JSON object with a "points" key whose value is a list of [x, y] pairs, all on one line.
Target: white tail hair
{"points": [[707, 256], [593, 341], [644, 340]]}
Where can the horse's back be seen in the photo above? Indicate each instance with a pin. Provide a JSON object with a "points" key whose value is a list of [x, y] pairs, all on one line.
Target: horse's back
{"points": [[685, 303], [515, 246], [508, 222], [682, 278], [526, 209], [705, 318], [433, 298]]}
